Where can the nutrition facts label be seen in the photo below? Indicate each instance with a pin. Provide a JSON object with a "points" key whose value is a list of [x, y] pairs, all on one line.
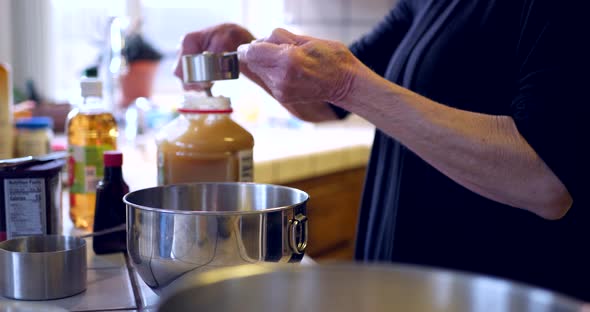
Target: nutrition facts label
{"points": [[25, 206]]}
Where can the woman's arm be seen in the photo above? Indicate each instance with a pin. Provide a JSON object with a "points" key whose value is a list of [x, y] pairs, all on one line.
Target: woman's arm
{"points": [[484, 153]]}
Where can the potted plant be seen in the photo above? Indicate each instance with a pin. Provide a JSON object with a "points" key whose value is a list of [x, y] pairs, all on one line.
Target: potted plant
{"points": [[142, 63]]}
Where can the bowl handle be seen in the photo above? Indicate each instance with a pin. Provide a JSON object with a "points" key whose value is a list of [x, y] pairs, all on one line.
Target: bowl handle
{"points": [[298, 234]]}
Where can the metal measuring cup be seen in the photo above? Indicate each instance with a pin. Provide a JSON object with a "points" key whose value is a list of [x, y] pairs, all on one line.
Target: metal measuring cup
{"points": [[45, 267], [42, 267], [208, 67]]}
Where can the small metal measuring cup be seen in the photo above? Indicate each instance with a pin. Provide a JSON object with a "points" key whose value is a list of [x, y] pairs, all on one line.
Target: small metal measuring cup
{"points": [[45, 267], [42, 267], [208, 67]]}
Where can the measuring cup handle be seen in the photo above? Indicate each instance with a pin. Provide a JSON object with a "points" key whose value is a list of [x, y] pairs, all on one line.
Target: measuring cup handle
{"points": [[117, 228]]}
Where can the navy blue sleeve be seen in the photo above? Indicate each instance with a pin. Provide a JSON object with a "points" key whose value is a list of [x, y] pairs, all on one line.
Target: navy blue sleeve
{"points": [[548, 105], [376, 47]]}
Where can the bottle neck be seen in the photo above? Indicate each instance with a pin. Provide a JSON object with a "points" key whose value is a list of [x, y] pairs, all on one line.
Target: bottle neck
{"points": [[92, 103], [206, 116], [113, 174], [92, 100]]}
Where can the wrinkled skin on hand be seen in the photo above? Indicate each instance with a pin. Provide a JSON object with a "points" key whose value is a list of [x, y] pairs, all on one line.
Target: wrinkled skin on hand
{"points": [[301, 72], [219, 38]]}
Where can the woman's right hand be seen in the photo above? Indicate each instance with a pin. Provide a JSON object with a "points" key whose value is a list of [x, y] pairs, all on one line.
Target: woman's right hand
{"points": [[220, 38]]}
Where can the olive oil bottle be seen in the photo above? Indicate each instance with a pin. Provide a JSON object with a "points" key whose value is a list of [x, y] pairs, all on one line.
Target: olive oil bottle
{"points": [[91, 130]]}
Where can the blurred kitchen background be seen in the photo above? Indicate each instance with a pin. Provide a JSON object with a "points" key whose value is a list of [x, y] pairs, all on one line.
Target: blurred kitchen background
{"points": [[50, 43]]}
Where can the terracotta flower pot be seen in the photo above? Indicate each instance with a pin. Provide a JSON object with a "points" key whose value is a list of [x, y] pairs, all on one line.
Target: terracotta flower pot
{"points": [[137, 81]]}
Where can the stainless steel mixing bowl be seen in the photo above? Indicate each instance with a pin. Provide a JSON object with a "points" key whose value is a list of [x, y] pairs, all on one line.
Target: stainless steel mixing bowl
{"points": [[355, 287], [176, 231]]}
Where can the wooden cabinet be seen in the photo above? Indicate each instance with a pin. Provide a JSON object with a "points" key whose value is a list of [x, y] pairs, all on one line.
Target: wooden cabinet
{"points": [[332, 213]]}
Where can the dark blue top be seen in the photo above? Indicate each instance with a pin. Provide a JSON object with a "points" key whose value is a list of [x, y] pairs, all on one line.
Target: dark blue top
{"points": [[504, 57]]}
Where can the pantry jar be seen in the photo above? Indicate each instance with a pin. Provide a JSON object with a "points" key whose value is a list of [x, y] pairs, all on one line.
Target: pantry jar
{"points": [[33, 136], [204, 144]]}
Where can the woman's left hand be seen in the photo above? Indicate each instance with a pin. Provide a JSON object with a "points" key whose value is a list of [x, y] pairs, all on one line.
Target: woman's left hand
{"points": [[302, 73]]}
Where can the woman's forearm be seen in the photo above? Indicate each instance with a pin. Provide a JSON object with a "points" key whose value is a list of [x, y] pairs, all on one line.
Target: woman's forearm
{"points": [[484, 153]]}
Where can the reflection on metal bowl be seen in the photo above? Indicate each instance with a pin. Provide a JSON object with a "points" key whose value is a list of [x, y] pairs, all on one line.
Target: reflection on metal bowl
{"points": [[355, 287], [176, 231]]}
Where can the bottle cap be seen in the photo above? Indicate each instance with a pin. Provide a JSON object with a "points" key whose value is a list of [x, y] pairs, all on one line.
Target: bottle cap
{"points": [[113, 159], [199, 104], [91, 87], [39, 122]]}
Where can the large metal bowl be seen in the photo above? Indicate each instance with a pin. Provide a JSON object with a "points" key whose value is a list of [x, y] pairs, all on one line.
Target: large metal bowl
{"points": [[355, 287], [176, 231]]}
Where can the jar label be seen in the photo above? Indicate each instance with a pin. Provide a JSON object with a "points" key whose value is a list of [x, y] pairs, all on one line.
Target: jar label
{"points": [[246, 166], [24, 199], [32, 143], [87, 168], [174, 168]]}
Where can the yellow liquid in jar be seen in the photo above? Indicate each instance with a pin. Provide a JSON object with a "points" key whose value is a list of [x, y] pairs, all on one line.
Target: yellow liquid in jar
{"points": [[89, 129]]}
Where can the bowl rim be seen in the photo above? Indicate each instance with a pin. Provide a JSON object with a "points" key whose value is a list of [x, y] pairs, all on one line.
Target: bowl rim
{"points": [[216, 213]]}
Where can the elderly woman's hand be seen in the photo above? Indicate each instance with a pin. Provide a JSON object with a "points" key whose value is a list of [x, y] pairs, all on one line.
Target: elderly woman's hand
{"points": [[301, 72], [220, 38]]}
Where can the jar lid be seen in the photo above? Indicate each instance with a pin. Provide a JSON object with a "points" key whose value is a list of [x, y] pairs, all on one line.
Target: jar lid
{"points": [[199, 104], [39, 122], [113, 159]]}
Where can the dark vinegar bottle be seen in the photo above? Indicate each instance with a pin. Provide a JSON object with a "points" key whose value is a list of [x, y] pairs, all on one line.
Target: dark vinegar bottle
{"points": [[110, 209]]}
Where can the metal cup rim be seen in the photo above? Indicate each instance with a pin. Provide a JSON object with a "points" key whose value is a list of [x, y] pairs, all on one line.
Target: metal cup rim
{"points": [[82, 244]]}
